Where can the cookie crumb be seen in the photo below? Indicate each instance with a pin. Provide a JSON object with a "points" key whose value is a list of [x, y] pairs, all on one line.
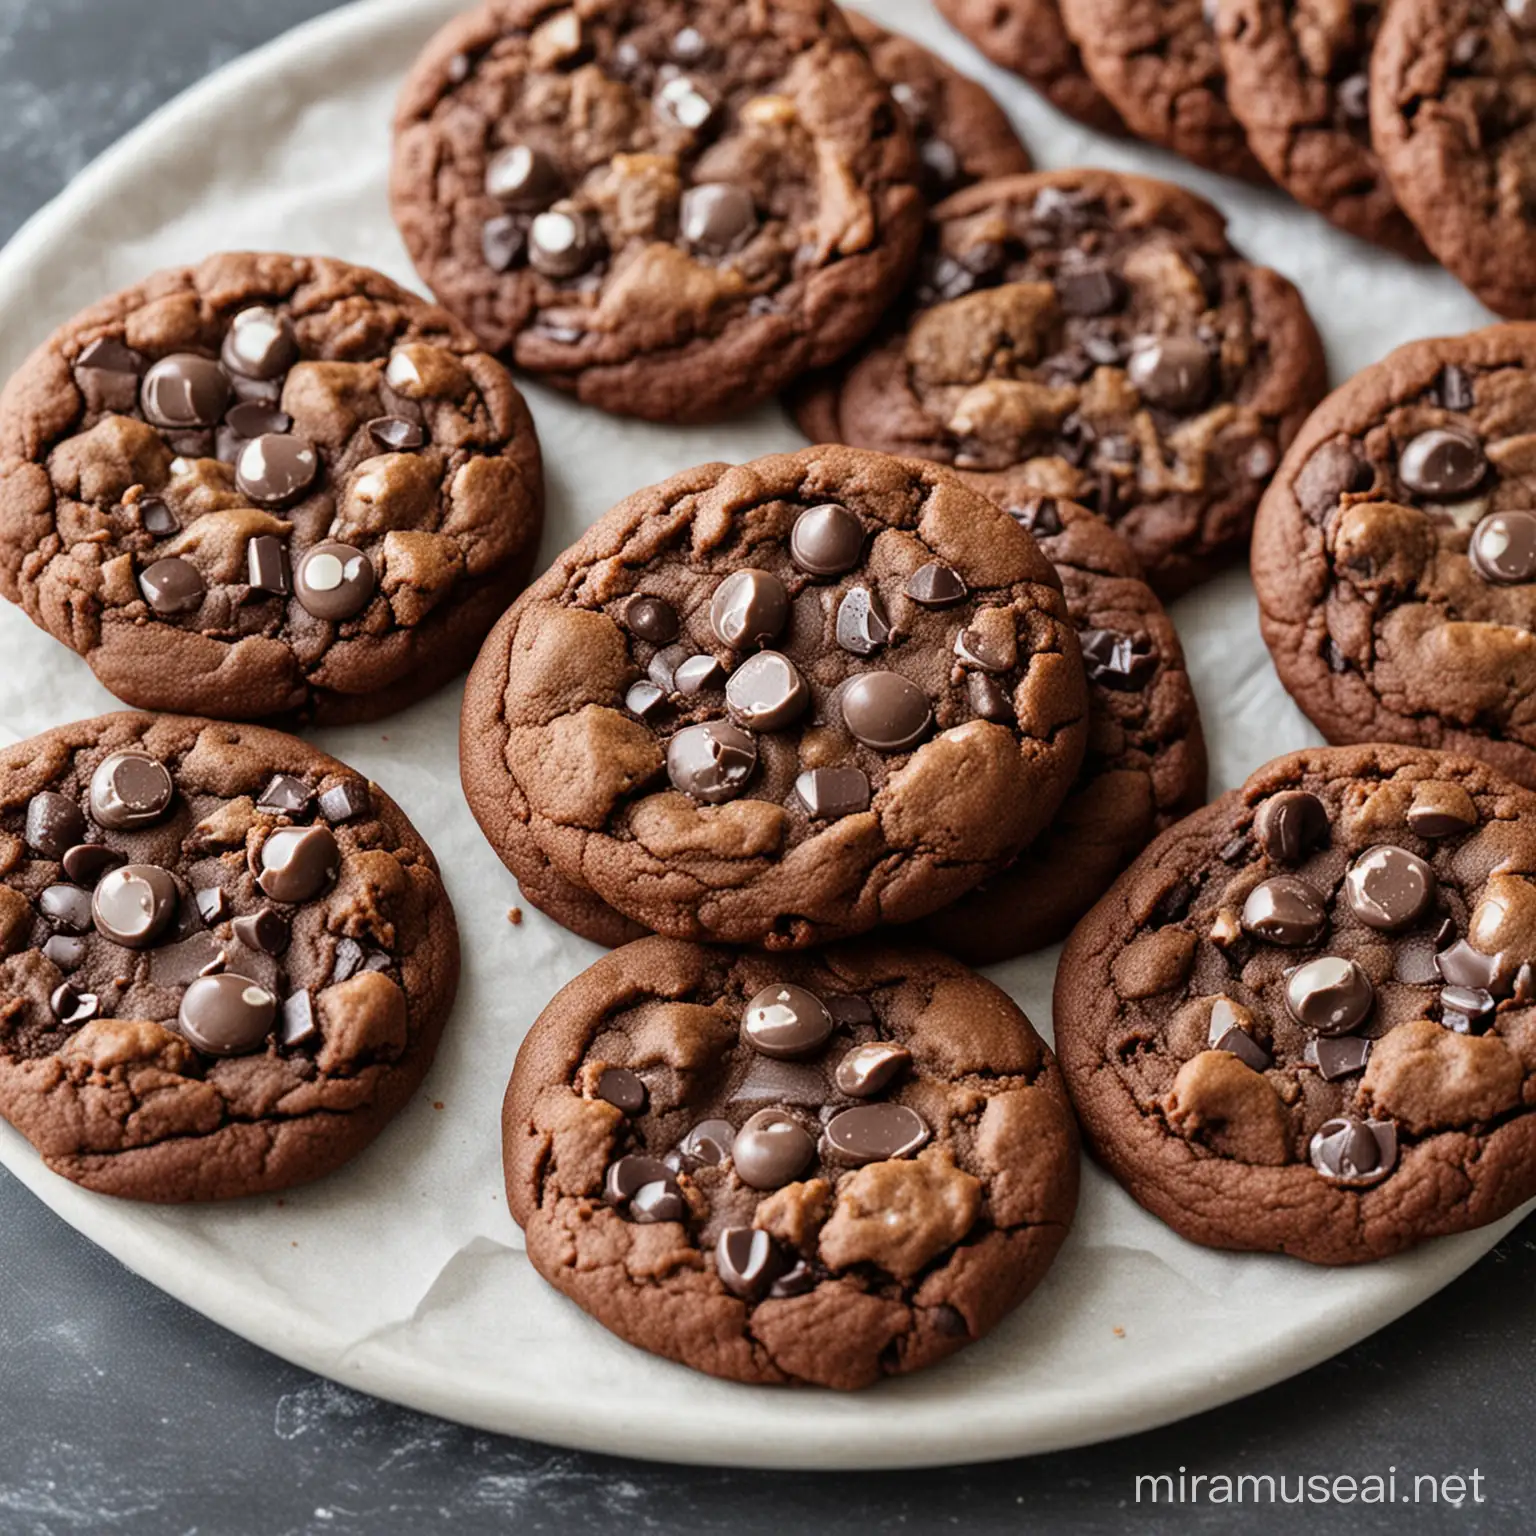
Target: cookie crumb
{"points": [[437, 1103], [1119, 1333], [515, 917]]}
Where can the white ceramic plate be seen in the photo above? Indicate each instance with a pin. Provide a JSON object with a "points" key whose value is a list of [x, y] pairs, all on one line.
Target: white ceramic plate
{"points": [[404, 1275]]}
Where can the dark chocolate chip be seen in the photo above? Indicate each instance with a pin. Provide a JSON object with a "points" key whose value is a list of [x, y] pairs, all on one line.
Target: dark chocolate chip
{"points": [[749, 608], [716, 217], [1171, 371], [873, 1133], [1334, 470], [974, 649], [1337, 1056], [652, 619], [54, 824], [1239, 1043], [298, 863], [786, 1021], [696, 673], [683, 101], [134, 904], [748, 1261], [503, 239], [1442, 462], [345, 801], [299, 1023], [1353, 96], [1123, 662], [276, 468], [1466, 1010], [66, 907], [795, 1281], [862, 625], [172, 585], [334, 581], [157, 519], [1351, 1151], [1463, 966], [766, 692], [260, 344], [630, 1174], [886, 711], [1089, 290], [72, 1006], [1329, 995], [709, 1142], [268, 568], [562, 243], [86, 863], [348, 959], [623, 1089], [397, 435], [523, 178], [65, 951], [107, 373], [644, 699], [1290, 824], [1455, 388], [1389, 888], [1286, 911], [936, 586], [826, 540], [1503, 547], [988, 700], [830, 793], [212, 904], [184, 391], [1431, 820], [660, 1200], [285, 795], [711, 762], [849, 1009], [771, 1150], [870, 1069], [226, 1015], [265, 930], [1039, 517]]}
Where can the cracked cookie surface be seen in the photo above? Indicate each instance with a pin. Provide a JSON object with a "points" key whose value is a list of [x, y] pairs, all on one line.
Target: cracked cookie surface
{"points": [[821, 1168], [1394, 557], [1145, 765], [668, 209], [225, 957], [1096, 334], [1297, 78], [1453, 118], [780, 702], [1302, 1021], [266, 486]]}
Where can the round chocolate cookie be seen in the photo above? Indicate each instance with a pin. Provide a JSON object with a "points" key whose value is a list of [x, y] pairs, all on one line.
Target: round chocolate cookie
{"points": [[1095, 333], [781, 702], [1158, 64], [1030, 38], [1297, 78], [819, 1169], [1146, 754], [1302, 1022], [267, 486], [227, 958], [667, 209], [1453, 118], [962, 134], [1395, 553]]}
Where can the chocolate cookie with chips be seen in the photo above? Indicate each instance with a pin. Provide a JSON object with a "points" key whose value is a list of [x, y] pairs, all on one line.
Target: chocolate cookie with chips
{"points": [[225, 958], [1095, 334], [1304, 1021], [777, 703], [267, 486], [818, 1169], [668, 209]]}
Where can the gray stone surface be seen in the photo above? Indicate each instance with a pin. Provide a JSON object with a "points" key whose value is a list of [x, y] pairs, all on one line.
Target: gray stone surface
{"points": [[121, 1411]]}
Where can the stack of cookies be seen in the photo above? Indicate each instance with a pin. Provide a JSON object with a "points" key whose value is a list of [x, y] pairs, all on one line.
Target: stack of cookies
{"points": [[800, 740], [1407, 125]]}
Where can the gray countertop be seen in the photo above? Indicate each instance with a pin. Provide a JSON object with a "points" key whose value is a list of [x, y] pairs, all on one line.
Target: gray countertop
{"points": [[120, 1410]]}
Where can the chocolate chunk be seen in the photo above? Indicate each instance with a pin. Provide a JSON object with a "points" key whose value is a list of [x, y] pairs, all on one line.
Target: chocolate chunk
{"points": [[747, 1261], [652, 619], [1171, 371], [766, 692], [1351, 1151], [1122, 662], [770, 1081], [1442, 462], [862, 625], [795, 1281], [1466, 1010], [660, 1200], [172, 585], [749, 608], [623, 1089], [54, 824], [334, 581], [1441, 817], [134, 904], [1329, 995], [265, 929], [67, 908], [276, 468], [226, 1015], [157, 519], [1285, 910], [771, 1150], [1389, 888], [299, 1023], [871, 1133], [72, 1006], [252, 419], [107, 374], [709, 1142], [973, 649], [1503, 547], [268, 568], [212, 904], [936, 586], [1455, 388], [632, 1173], [1290, 824], [827, 540], [1337, 1056], [830, 793], [260, 344], [64, 951], [86, 863], [644, 699], [684, 102], [177, 963], [870, 1069], [663, 666], [503, 240], [1353, 96], [285, 795], [715, 217], [988, 700], [1239, 1043], [1334, 470], [347, 960], [183, 391], [696, 673], [130, 790], [787, 1022], [562, 243], [711, 762], [1039, 517], [298, 863], [1087, 291], [1463, 966], [886, 711], [395, 434], [523, 178], [345, 801]]}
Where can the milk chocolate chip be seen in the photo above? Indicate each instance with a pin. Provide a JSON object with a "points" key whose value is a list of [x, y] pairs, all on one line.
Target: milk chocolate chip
{"points": [[1389, 888], [749, 608], [1285, 910], [886, 711], [133, 905], [1329, 995], [766, 692], [873, 1133], [298, 863], [1351, 1151], [771, 1150], [711, 762], [130, 789], [226, 1015], [786, 1021], [827, 540], [1289, 825]]}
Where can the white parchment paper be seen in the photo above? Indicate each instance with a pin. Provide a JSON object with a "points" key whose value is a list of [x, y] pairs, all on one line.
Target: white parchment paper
{"points": [[404, 1275]]}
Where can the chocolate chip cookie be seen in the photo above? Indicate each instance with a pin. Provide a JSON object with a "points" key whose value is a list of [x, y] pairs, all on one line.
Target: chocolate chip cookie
{"points": [[1095, 334], [1146, 754], [1030, 38], [781, 702], [1303, 1022], [1395, 553], [1297, 81], [267, 486], [1453, 117], [1158, 64], [818, 1169], [668, 209], [962, 134], [227, 957]]}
